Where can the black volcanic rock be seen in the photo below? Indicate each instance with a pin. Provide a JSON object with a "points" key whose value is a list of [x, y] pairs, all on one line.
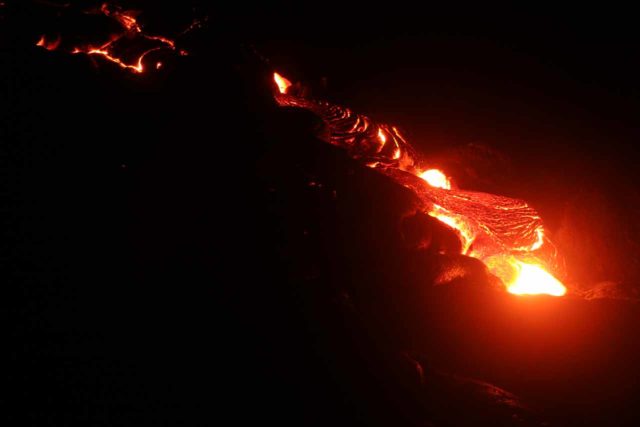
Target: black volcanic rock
{"points": [[181, 251]]}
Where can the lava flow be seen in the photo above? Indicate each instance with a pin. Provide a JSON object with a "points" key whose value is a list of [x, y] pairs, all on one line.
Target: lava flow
{"points": [[505, 233], [114, 48]]}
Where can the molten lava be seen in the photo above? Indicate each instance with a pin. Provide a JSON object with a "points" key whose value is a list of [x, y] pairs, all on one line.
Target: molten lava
{"points": [[534, 280], [115, 45], [131, 27], [436, 178], [282, 83], [506, 234], [137, 67], [523, 278]]}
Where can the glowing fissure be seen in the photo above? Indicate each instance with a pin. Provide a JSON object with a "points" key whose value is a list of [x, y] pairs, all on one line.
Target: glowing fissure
{"points": [[137, 67], [505, 233], [108, 50]]}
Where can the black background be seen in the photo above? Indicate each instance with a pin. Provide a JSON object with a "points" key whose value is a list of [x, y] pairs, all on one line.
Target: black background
{"points": [[147, 275]]}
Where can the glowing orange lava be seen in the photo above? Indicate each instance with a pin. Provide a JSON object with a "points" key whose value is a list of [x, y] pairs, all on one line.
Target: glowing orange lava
{"points": [[110, 49], [282, 83], [131, 26], [457, 223], [383, 139], [538, 243], [534, 280], [436, 178], [504, 233], [138, 67], [525, 278]]}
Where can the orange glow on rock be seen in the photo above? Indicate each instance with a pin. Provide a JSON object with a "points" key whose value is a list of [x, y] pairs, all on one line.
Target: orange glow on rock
{"points": [[282, 83], [436, 178]]}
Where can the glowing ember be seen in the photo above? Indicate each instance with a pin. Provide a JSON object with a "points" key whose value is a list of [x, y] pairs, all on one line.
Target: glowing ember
{"points": [[506, 234], [436, 178], [282, 83]]}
